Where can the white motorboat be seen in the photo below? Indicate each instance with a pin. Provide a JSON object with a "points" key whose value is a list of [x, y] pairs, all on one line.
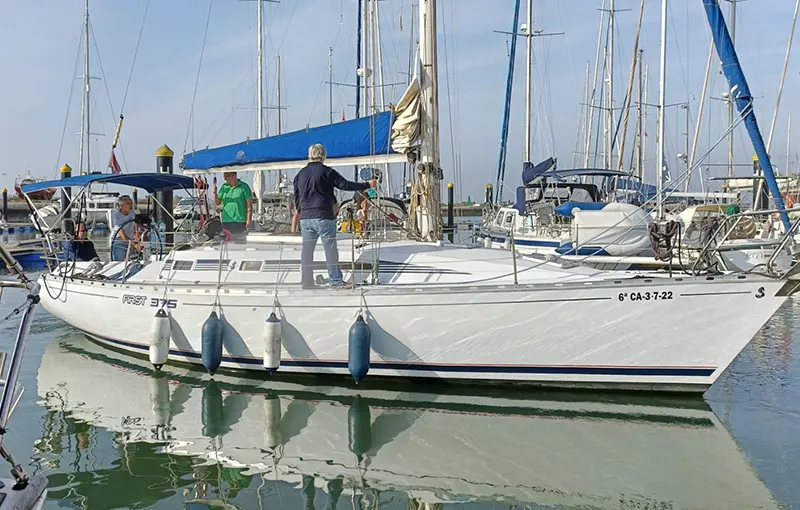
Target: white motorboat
{"points": [[510, 449], [96, 212]]}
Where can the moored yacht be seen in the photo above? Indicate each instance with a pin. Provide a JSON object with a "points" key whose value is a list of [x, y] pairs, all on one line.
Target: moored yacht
{"points": [[417, 307]]}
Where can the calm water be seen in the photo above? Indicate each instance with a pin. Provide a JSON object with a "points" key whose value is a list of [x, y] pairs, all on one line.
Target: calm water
{"points": [[109, 434]]}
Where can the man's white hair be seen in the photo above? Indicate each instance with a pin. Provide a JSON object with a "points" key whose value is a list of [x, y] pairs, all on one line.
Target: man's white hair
{"points": [[317, 153]]}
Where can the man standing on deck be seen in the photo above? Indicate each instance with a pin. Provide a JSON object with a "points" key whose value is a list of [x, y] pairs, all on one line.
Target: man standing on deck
{"points": [[313, 196], [237, 203]]}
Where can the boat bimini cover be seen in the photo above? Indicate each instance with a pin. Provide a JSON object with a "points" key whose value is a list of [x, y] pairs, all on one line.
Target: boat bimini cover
{"points": [[620, 229]]}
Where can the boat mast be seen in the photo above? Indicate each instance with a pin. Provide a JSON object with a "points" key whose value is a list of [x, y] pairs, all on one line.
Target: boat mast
{"points": [[788, 146], [610, 140], [594, 86], [730, 97], [528, 70], [330, 85], [279, 106], [258, 177], [83, 153], [690, 163], [644, 120], [661, 105], [428, 216], [639, 131]]}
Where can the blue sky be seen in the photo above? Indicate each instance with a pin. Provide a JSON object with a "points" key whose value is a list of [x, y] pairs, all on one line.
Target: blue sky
{"points": [[39, 45]]}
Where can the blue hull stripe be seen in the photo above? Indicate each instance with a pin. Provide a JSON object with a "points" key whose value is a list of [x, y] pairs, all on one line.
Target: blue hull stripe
{"points": [[527, 242], [463, 369]]}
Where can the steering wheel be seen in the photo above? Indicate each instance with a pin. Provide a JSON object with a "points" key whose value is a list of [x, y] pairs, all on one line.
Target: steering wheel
{"points": [[147, 238]]}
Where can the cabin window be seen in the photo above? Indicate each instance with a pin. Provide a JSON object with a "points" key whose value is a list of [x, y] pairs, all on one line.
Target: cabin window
{"points": [[509, 219], [182, 265], [250, 265]]}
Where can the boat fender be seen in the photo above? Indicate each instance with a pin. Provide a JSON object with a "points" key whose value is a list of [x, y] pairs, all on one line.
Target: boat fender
{"points": [[272, 343], [272, 418], [211, 343], [358, 349], [159, 339], [359, 424], [487, 242]]}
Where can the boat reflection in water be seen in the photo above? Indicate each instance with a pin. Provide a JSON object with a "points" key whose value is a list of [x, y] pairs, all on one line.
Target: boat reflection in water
{"points": [[236, 443]]}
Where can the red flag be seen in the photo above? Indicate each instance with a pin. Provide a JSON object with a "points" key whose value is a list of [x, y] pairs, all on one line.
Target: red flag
{"points": [[113, 164]]}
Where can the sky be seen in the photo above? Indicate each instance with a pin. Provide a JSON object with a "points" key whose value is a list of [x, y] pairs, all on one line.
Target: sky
{"points": [[173, 97]]}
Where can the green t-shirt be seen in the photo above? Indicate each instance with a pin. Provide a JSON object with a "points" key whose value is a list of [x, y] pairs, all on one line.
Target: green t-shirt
{"points": [[234, 202]]}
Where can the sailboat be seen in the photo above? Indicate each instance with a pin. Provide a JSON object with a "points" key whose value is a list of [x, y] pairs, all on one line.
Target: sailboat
{"points": [[595, 217], [419, 308]]}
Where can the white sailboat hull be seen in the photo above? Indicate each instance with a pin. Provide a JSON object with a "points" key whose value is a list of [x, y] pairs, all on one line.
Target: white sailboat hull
{"points": [[654, 334]]}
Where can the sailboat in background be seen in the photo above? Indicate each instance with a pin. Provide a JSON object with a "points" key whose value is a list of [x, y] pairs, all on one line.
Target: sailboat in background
{"points": [[97, 206], [583, 215]]}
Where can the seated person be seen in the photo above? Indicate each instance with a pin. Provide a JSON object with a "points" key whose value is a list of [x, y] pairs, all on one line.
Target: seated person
{"points": [[80, 248], [362, 204]]}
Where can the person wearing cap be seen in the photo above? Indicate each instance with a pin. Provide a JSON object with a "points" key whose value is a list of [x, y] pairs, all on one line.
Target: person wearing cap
{"points": [[314, 197]]}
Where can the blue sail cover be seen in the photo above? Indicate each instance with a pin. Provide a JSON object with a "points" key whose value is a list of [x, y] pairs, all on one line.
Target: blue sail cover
{"points": [[365, 136], [741, 93]]}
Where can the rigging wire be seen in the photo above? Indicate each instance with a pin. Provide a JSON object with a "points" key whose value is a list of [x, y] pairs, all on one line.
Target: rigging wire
{"points": [[135, 54], [108, 92], [69, 102], [190, 126], [325, 73], [451, 138]]}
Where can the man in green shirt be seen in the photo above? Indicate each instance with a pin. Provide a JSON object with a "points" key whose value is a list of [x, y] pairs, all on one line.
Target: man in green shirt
{"points": [[237, 203]]}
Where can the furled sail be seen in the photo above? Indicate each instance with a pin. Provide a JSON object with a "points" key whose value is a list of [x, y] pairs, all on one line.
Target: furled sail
{"points": [[384, 137], [740, 92], [406, 128]]}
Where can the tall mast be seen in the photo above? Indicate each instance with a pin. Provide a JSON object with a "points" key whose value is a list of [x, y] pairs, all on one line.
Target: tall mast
{"points": [[365, 70], [260, 53], [586, 127], [258, 177], [528, 70], [661, 105], [85, 111], [788, 146], [590, 122], [330, 85], [639, 130], [644, 119], [427, 218], [610, 149], [278, 92], [376, 41], [690, 161], [731, 106]]}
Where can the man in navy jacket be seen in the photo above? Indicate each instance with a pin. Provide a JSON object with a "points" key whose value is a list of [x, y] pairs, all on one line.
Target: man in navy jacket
{"points": [[314, 198]]}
